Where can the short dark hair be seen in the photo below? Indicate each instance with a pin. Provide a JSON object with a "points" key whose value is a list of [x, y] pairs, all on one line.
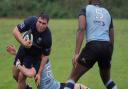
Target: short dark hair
{"points": [[94, 1], [44, 15]]}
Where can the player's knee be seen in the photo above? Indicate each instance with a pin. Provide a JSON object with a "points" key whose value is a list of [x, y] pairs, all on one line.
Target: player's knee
{"points": [[21, 77], [15, 77], [15, 73], [31, 73]]}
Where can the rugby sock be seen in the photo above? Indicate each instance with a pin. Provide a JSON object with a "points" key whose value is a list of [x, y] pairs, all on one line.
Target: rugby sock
{"points": [[111, 85], [28, 87], [70, 84], [115, 87]]}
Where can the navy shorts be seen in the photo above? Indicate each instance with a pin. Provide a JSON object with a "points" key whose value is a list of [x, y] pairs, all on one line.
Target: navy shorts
{"points": [[96, 51], [27, 60]]}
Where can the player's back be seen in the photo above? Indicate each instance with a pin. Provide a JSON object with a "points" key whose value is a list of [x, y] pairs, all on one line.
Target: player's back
{"points": [[98, 21], [47, 79]]}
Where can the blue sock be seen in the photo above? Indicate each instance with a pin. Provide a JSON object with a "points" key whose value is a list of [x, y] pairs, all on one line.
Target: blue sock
{"points": [[70, 84]]}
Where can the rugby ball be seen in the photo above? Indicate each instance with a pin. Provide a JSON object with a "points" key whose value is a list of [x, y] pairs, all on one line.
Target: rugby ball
{"points": [[28, 36]]}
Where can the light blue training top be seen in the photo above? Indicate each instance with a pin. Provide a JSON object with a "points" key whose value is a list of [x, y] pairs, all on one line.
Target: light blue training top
{"points": [[98, 22], [47, 79]]}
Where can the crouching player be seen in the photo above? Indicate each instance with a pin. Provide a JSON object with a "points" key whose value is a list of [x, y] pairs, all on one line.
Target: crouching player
{"points": [[47, 80]]}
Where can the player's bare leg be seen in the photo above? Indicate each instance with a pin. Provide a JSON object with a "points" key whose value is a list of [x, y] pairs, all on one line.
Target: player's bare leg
{"points": [[76, 73], [105, 76], [15, 73], [21, 81]]}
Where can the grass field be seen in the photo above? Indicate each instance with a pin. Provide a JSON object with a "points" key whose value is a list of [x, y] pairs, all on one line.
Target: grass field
{"points": [[63, 32]]}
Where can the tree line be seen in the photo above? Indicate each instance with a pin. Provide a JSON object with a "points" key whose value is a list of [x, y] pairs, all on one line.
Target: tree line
{"points": [[57, 8]]}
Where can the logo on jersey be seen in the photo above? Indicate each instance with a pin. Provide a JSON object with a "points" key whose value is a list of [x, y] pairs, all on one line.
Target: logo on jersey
{"points": [[83, 60], [39, 40], [22, 25], [49, 72], [47, 82], [101, 23], [99, 17]]}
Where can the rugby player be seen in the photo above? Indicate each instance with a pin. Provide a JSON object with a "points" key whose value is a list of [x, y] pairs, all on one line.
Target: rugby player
{"points": [[96, 22], [31, 53]]}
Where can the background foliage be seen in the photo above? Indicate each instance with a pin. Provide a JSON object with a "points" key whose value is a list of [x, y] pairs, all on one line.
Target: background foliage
{"points": [[57, 8]]}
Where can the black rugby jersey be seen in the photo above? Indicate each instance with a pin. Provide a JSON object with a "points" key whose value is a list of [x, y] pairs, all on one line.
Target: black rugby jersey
{"points": [[42, 41]]}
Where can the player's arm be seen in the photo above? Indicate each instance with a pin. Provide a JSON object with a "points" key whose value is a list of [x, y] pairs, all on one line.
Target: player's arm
{"points": [[20, 28], [111, 33], [44, 60], [17, 34], [80, 34], [27, 72], [80, 30], [11, 49], [46, 44]]}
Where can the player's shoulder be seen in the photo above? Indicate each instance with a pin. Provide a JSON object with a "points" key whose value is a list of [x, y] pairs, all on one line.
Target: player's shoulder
{"points": [[46, 34], [48, 31], [86, 9], [82, 11], [30, 19], [106, 11], [90, 6]]}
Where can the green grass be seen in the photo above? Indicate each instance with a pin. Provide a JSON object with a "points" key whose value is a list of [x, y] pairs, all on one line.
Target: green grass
{"points": [[63, 32]]}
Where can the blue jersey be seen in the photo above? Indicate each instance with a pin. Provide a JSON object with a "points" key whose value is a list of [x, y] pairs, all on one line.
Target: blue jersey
{"points": [[47, 79], [98, 23]]}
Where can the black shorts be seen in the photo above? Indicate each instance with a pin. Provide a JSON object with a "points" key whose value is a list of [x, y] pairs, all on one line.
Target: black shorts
{"points": [[62, 85], [27, 60], [96, 51]]}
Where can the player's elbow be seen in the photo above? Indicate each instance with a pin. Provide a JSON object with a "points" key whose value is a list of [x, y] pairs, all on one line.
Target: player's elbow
{"points": [[81, 30], [14, 31]]}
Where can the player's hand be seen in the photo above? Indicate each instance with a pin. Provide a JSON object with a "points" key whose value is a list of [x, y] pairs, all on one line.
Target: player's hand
{"points": [[74, 59], [37, 80], [11, 49], [18, 64], [26, 43]]}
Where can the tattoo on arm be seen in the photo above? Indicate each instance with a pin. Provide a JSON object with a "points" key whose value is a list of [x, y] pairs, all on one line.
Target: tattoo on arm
{"points": [[80, 30]]}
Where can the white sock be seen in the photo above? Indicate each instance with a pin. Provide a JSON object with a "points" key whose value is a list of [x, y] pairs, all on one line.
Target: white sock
{"points": [[108, 82], [115, 87], [71, 81], [66, 88]]}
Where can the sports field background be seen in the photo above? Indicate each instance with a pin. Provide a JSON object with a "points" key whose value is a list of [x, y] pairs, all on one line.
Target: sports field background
{"points": [[63, 32]]}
